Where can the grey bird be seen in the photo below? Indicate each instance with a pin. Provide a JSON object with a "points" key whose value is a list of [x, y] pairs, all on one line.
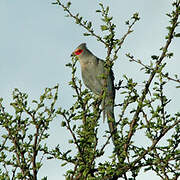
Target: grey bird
{"points": [[92, 69]]}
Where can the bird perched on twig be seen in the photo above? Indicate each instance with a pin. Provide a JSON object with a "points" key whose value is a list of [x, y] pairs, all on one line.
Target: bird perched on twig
{"points": [[93, 69]]}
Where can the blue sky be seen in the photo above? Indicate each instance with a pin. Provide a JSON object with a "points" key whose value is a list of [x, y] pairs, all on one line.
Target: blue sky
{"points": [[36, 40]]}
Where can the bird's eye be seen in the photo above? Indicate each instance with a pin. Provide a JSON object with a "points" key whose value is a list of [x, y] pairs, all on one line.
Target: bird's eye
{"points": [[78, 52]]}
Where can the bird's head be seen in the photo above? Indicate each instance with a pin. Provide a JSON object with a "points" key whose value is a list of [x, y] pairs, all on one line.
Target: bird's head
{"points": [[80, 50]]}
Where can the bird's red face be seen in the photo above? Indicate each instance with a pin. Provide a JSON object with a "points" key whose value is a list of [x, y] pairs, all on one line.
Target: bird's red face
{"points": [[78, 51]]}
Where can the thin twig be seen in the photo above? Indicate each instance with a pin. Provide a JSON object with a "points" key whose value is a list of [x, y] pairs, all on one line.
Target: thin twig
{"points": [[154, 143], [80, 23], [124, 37], [147, 85], [152, 69]]}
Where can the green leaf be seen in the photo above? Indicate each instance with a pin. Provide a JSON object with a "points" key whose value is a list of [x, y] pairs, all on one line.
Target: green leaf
{"points": [[89, 25], [68, 5], [107, 9], [136, 16], [108, 19], [127, 22], [1, 100], [154, 57], [64, 164], [70, 141], [63, 123], [101, 4], [74, 127], [169, 55], [54, 3], [104, 27], [177, 35], [84, 22], [98, 11], [86, 34], [34, 101], [68, 64]]}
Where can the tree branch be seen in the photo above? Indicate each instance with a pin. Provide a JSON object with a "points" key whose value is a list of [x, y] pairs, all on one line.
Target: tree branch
{"points": [[147, 85], [78, 21]]}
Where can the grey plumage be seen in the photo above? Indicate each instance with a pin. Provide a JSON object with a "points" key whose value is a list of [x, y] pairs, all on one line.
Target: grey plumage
{"points": [[92, 69]]}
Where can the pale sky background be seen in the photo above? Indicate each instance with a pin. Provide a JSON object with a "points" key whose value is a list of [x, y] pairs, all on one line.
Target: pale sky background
{"points": [[36, 41]]}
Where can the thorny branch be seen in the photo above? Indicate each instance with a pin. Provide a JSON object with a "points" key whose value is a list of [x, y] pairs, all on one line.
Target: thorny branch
{"points": [[147, 85], [80, 23], [154, 143], [151, 69], [125, 35]]}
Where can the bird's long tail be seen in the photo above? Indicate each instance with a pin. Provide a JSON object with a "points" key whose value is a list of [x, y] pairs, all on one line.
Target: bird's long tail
{"points": [[109, 110]]}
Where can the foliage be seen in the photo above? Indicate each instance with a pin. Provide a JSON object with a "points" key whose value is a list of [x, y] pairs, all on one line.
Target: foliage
{"points": [[23, 143], [141, 111]]}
